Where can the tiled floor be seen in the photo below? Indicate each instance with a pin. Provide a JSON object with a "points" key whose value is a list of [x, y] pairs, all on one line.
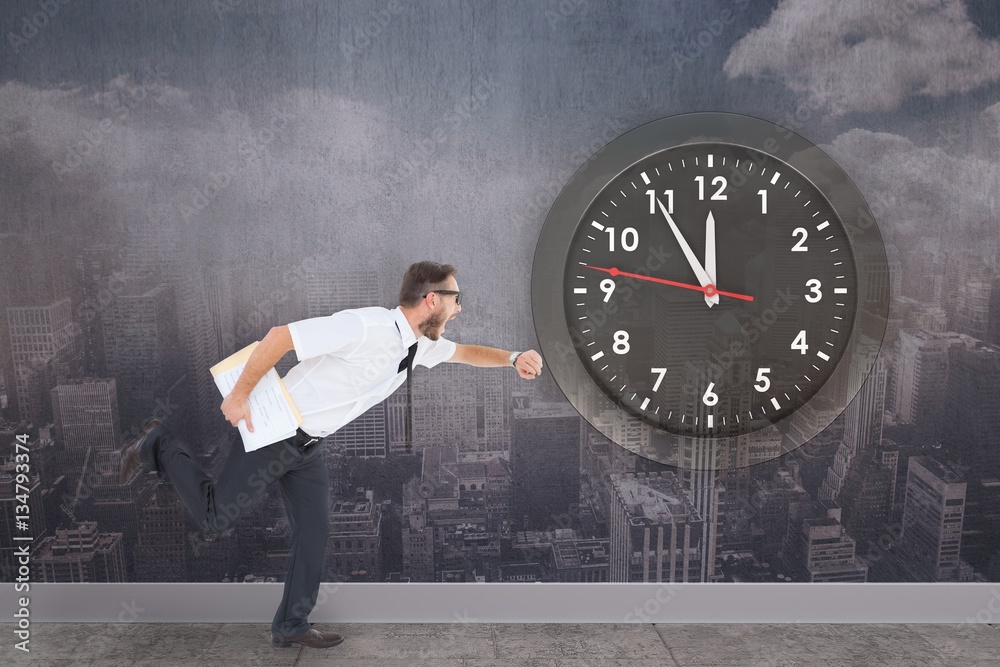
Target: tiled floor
{"points": [[516, 645]]}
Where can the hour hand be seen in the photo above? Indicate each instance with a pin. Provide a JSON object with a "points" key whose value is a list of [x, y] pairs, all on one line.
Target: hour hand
{"points": [[710, 253], [696, 266]]}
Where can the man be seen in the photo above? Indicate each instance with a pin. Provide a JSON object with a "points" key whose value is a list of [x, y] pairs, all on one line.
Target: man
{"points": [[348, 362]]}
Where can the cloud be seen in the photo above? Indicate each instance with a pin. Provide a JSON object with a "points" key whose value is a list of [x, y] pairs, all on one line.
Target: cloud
{"points": [[991, 116], [858, 55], [921, 191]]}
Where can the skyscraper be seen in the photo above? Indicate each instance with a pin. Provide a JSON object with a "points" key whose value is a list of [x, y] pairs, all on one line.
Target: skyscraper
{"points": [[79, 555], [86, 414], [931, 539], [922, 375], [39, 336], [862, 421], [160, 551], [545, 462], [656, 533], [817, 548], [971, 403], [141, 347]]}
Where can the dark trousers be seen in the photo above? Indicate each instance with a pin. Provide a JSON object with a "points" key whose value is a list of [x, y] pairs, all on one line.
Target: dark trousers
{"points": [[304, 481]]}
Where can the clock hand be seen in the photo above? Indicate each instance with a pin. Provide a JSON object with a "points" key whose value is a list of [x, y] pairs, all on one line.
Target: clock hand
{"points": [[699, 272], [710, 252], [708, 290]]}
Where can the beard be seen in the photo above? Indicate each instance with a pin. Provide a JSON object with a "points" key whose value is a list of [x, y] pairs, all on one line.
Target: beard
{"points": [[431, 327]]}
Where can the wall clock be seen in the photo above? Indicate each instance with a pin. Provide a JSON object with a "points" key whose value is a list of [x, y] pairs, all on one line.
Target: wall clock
{"points": [[710, 290]]}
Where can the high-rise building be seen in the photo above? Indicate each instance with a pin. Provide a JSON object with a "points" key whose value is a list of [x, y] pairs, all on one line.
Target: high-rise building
{"points": [[365, 436], [329, 290], [454, 518], [11, 511], [42, 339], [973, 308], [931, 538], [972, 397], [198, 340], [160, 551], [447, 408], [94, 264], [657, 535], [960, 268], [79, 555], [866, 498], [816, 546], [581, 561], [769, 502], [862, 420], [354, 548], [921, 376], [86, 414], [142, 347], [545, 462]]}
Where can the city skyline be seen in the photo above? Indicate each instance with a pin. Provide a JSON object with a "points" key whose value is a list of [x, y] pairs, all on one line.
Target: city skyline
{"points": [[171, 194]]}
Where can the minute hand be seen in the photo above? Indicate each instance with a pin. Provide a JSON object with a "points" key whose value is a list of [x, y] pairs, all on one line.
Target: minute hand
{"points": [[699, 271]]}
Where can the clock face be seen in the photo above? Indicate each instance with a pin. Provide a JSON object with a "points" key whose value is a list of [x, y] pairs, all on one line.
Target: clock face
{"points": [[711, 289]]}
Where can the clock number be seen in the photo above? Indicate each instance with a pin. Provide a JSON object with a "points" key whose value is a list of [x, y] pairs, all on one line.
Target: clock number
{"points": [[628, 234], [799, 247], [710, 398], [814, 294], [607, 286], [718, 180], [661, 372], [763, 201], [652, 201], [763, 379], [621, 345], [800, 342]]}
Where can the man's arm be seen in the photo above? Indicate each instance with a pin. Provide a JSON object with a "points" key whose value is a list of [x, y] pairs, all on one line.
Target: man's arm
{"points": [[528, 365], [276, 344]]}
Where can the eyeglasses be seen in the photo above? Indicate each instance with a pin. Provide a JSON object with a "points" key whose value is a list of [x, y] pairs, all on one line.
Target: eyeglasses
{"points": [[458, 295]]}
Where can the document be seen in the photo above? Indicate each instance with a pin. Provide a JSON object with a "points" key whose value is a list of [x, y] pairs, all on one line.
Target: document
{"points": [[272, 410]]}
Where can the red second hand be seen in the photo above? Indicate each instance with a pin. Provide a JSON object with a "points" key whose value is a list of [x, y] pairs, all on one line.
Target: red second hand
{"points": [[708, 290]]}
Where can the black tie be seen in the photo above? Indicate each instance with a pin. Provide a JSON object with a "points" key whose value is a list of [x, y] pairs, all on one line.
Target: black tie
{"points": [[407, 365]]}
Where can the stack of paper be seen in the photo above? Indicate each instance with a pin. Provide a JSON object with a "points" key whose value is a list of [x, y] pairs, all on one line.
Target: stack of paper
{"points": [[272, 411]]}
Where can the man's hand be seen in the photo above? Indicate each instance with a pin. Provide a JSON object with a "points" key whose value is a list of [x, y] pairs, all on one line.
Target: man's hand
{"points": [[236, 408], [529, 364]]}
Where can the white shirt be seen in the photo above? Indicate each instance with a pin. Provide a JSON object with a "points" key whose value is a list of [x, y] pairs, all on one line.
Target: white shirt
{"points": [[349, 362]]}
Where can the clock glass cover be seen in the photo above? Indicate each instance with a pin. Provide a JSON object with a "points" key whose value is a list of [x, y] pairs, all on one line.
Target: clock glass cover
{"points": [[710, 278]]}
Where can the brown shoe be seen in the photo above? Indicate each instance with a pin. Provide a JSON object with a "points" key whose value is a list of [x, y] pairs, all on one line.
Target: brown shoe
{"points": [[312, 638], [132, 452]]}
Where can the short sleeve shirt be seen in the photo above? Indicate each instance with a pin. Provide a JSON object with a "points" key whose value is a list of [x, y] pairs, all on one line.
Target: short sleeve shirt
{"points": [[349, 361]]}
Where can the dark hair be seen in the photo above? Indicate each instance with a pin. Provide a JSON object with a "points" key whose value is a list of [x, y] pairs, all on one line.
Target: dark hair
{"points": [[421, 278]]}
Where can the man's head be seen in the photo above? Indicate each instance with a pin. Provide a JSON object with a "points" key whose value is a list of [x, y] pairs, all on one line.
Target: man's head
{"points": [[429, 294]]}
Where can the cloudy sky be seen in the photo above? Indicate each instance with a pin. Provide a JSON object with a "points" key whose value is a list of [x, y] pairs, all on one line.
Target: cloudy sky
{"points": [[373, 133]]}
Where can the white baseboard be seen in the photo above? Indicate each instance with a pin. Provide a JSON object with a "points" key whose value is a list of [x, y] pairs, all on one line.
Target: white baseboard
{"points": [[514, 603]]}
